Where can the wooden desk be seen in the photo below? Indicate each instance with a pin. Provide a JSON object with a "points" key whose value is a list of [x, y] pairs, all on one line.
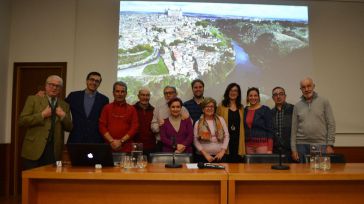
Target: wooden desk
{"points": [[258, 183], [155, 184]]}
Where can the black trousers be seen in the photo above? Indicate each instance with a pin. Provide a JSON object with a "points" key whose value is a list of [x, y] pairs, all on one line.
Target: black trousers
{"points": [[46, 158]]}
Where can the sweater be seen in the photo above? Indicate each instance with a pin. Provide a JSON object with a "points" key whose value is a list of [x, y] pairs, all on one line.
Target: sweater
{"points": [[313, 123]]}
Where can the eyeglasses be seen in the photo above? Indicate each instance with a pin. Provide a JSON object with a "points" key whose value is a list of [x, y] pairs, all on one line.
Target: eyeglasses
{"points": [[58, 86], [279, 94], [169, 92], [211, 107], [94, 80]]}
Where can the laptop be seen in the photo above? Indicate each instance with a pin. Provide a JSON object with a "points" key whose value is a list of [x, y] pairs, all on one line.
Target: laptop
{"points": [[90, 154]]}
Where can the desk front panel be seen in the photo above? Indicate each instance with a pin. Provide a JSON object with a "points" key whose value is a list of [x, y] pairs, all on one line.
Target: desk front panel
{"points": [[258, 183], [114, 185]]}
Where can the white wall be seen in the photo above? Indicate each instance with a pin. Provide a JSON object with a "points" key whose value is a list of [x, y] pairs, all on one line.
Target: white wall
{"points": [[84, 34]]}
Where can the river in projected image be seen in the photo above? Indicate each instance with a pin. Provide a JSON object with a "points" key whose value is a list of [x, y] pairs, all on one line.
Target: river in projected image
{"points": [[172, 43]]}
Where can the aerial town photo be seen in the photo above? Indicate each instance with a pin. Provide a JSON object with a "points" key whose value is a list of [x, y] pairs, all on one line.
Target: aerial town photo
{"points": [[172, 43]]}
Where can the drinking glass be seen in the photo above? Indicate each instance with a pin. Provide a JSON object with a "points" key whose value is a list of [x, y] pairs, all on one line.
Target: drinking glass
{"points": [[325, 163], [315, 154], [122, 161], [128, 162], [136, 151], [142, 161]]}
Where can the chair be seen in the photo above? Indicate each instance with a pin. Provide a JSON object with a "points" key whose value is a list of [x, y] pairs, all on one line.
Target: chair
{"points": [[263, 158], [167, 158]]}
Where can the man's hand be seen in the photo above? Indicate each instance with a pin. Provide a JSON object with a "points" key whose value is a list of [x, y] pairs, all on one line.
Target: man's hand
{"points": [[295, 156], [47, 112], [329, 149], [160, 122], [116, 144], [60, 112]]}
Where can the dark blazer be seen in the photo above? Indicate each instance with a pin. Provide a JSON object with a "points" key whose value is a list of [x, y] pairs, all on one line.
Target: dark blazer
{"points": [[286, 129], [262, 124], [85, 129], [38, 128]]}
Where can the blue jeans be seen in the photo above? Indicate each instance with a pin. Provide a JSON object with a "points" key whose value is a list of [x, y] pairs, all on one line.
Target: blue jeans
{"points": [[304, 149]]}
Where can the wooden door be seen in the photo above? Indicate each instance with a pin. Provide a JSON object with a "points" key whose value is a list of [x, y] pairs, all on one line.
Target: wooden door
{"points": [[29, 78]]}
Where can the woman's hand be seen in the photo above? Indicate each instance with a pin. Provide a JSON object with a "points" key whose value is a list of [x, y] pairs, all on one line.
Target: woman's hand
{"points": [[180, 148], [219, 155], [208, 157]]}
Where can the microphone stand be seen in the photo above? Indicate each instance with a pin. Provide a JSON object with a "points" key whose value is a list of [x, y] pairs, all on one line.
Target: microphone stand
{"points": [[280, 166], [174, 165]]}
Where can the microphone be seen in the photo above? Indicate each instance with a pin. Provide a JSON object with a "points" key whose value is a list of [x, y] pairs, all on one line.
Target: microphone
{"points": [[174, 146], [202, 165], [279, 166]]}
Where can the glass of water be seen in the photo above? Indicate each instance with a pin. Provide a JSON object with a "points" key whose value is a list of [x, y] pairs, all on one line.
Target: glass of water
{"points": [[325, 163], [136, 151], [315, 155], [128, 162], [142, 161]]}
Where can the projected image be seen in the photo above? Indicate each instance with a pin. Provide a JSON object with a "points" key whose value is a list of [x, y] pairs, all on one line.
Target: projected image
{"points": [[172, 43]]}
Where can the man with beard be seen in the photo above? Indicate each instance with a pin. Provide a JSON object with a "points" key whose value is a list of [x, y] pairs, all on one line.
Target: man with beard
{"points": [[193, 105], [86, 106]]}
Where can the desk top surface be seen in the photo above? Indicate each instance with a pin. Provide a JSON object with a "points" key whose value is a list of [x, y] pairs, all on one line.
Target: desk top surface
{"points": [[348, 171], [151, 172]]}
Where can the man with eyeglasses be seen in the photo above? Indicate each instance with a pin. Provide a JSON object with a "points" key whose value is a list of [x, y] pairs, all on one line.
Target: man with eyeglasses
{"points": [[162, 112], [86, 106], [282, 122], [312, 122], [46, 118], [145, 116]]}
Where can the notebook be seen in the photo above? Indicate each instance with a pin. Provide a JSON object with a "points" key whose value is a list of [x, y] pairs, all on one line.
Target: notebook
{"points": [[90, 154]]}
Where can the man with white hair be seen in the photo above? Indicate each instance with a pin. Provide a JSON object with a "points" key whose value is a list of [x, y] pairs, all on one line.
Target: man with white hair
{"points": [[312, 122], [46, 118], [145, 115]]}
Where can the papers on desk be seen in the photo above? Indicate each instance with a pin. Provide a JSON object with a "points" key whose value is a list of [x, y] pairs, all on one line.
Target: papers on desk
{"points": [[191, 166]]}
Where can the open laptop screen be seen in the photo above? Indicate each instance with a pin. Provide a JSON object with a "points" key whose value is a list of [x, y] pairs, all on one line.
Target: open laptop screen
{"points": [[90, 154]]}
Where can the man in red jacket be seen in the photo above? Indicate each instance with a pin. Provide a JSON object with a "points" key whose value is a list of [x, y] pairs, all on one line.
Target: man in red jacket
{"points": [[145, 116], [118, 122]]}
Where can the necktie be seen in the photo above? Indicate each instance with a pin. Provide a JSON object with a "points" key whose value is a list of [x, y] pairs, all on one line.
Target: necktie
{"points": [[53, 103], [53, 119]]}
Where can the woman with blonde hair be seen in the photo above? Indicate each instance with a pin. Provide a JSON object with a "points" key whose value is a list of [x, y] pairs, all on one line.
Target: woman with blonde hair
{"points": [[211, 136]]}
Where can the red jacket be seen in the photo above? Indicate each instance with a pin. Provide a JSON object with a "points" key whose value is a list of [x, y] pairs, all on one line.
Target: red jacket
{"points": [[119, 120], [145, 134]]}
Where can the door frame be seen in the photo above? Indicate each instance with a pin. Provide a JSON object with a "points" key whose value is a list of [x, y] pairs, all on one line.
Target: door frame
{"points": [[14, 159]]}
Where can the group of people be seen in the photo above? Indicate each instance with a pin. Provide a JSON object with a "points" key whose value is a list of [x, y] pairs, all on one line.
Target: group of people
{"points": [[213, 132]]}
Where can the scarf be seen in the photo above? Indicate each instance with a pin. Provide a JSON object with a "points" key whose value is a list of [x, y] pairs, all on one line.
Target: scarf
{"points": [[204, 132]]}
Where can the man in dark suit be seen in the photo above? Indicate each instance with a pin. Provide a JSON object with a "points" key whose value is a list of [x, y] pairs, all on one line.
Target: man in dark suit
{"points": [[46, 118], [86, 106]]}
